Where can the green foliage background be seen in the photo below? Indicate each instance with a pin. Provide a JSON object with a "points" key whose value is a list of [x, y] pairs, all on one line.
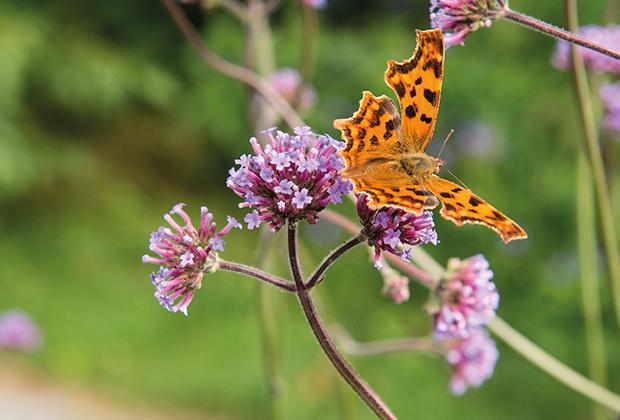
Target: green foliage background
{"points": [[107, 119]]}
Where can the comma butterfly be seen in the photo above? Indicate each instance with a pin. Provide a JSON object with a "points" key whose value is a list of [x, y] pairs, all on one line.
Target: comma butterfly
{"points": [[385, 152]]}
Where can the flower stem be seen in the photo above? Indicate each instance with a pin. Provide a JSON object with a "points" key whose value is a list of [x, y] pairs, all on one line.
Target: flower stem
{"points": [[586, 240], [362, 389], [258, 274], [317, 276], [553, 367], [554, 31], [232, 70], [592, 150]]}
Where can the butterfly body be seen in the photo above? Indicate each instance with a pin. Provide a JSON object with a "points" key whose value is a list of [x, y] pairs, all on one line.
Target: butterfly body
{"points": [[385, 154]]}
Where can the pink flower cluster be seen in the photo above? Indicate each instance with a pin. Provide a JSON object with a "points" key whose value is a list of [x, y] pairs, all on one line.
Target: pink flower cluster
{"points": [[468, 297], [185, 254], [607, 36]]}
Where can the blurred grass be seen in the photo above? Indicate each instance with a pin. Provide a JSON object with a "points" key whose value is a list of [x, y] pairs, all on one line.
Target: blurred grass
{"points": [[107, 119]]}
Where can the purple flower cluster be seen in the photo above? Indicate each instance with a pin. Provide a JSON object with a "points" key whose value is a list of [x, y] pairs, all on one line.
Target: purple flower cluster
{"points": [[610, 94], [472, 359], [468, 297], [458, 18], [293, 177], [391, 229], [185, 254], [607, 36], [18, 332]]}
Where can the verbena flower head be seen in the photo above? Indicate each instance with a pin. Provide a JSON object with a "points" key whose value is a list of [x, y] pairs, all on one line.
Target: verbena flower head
{"points": [[18, 332], [610, 94], [293, 177], [458, 18], [391, 229], [607, 36], [472, 359], [288, 82], [185, 254], [467, 297], [395, 285]]}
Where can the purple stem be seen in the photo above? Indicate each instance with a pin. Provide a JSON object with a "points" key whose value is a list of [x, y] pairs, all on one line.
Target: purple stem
{"points": [[362, 389], [556, 32], [317, 276], [258, 274]]}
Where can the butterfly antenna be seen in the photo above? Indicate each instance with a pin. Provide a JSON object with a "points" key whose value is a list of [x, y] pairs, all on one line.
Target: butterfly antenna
{"points": [[444, 142], [457, 178]]}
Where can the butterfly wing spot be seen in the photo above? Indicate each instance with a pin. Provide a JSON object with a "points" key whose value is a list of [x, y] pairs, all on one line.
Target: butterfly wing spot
{"points": [[423, 69], [462, 206]]}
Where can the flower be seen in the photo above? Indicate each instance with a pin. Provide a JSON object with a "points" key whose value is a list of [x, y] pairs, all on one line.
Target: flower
{"points": [[293, 177], [391, 229], [460, 17], [288, 81], [395, 286], [610, 94], [19, 332], [607, 36], [185, 254], [315, 4], [472, 359], [468, 298]]}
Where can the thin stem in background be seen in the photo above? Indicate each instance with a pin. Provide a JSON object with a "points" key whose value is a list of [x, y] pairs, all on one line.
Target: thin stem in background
{"points": [[232, 70], [554, 31], [592, 150], [308, 42], [510, 336], [246, 270], [332, 257], [373, 348], [363, 390], [271, 323], [591, 300]]}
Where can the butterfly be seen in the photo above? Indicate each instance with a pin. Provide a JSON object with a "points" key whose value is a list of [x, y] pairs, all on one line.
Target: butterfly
{"points": [[385, 150]]}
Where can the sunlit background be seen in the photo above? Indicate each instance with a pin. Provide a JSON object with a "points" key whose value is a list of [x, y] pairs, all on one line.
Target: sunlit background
{"points": [[108, 118]]}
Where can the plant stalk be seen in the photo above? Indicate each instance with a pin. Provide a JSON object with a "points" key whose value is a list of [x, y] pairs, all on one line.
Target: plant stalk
{"points": [[554, 31], [361, 388]]}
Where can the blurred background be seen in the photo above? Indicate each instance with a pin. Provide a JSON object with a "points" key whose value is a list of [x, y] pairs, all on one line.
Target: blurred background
{"points": [[108, 118]]}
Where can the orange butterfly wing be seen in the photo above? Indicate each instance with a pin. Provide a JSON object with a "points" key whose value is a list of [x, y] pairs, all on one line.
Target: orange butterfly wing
{"points": [[461, 206], [371, 154], [417, 82]]}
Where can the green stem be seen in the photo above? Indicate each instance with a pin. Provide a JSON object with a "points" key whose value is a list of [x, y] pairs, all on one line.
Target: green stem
{"points": [[592, 150], [308, 46], [586, 237]]}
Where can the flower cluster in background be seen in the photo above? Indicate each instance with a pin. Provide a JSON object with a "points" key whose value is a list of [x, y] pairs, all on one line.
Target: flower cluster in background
{"points": [[394, 230], [466, 300], [468, 297], [472, 359], [458, 18], [185, 254], [293, 177], [288, 82], [608, 36], [19, 332]]}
